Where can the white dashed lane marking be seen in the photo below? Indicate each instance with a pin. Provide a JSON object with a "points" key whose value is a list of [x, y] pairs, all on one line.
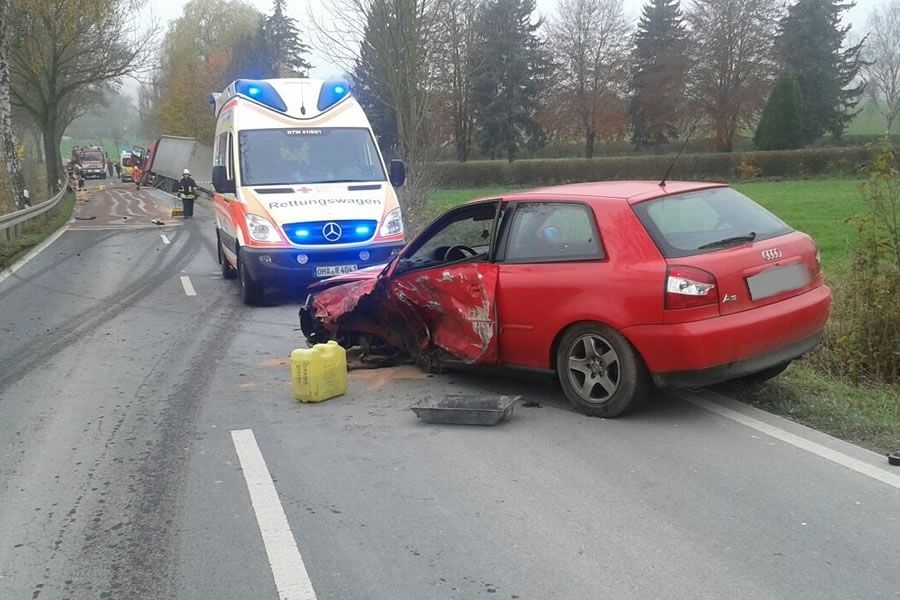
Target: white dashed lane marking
{"points": [[291, 579], [188, 286]]}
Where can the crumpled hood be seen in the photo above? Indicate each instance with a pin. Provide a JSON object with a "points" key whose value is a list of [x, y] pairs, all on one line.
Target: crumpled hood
{"points": [[362, 275]]}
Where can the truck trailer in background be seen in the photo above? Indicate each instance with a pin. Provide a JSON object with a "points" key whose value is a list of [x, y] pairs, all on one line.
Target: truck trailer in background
{"points": [[163, 162]]}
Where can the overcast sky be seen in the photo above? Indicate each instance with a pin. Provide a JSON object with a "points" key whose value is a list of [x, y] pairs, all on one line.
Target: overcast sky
{"points": [[167, 10]]}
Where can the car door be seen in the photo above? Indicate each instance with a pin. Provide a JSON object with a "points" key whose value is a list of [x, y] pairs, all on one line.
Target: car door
{"points": [[448, 278], [550, 266]]}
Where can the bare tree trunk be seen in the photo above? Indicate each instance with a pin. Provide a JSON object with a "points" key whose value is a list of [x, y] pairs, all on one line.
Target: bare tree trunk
{"points": [[52, 161], [589, 137], [7, 137]]}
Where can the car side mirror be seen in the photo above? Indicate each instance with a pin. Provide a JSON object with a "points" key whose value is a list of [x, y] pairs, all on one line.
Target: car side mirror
{"points": [[220, 180], [398, 172]]}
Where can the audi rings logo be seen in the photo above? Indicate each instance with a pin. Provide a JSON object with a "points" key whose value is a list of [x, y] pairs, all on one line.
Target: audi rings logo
{"points": [[332, 232], [771, 254]]}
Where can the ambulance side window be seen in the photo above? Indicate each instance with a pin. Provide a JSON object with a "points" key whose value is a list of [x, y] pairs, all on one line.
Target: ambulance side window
{"points": [[231, 171], [221, 150]]}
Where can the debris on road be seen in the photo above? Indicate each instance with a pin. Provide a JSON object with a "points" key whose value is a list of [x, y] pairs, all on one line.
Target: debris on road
{"points": [[367, 356], [466, 409], [894, 458], [319, 373]]}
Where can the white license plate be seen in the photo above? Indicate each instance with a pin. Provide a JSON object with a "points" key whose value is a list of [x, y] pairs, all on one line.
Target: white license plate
{"points": [[335, 270], [778, 280]]}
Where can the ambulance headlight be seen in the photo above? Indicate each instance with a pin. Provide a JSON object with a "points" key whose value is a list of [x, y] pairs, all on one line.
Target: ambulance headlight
{"points": [[393, 223], [261, 230]]}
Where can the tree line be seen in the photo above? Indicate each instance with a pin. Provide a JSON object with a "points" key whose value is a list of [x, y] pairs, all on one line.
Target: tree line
{"points": [[501, 80], [487, 78], [213, 43]]}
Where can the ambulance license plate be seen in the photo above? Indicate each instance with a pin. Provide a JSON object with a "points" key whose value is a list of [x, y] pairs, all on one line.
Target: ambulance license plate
{"points": [[335, 270]]}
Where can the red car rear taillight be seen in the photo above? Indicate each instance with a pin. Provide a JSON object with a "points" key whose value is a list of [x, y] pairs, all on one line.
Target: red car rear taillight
{"points": [[689, 287]]}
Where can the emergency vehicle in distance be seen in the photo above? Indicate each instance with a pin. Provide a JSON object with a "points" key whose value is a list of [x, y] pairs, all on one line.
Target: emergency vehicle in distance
{"points": [[91, 160], [301, 189]]}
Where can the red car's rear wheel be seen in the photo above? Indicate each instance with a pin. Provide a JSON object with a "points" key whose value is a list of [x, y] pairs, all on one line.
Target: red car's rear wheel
{"points": [[600, 372]]}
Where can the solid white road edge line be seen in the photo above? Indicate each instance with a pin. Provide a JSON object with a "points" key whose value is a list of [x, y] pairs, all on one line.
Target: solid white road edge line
{"points": [[164, 239], [834, 456], [291, 579], [188, 286], [34, 252]]}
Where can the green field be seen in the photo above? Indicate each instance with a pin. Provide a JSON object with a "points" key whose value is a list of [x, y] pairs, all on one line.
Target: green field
{"points": [[869, 122], [819, 207]]}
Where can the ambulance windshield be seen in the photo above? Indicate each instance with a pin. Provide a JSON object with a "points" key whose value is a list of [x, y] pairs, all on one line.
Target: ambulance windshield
{"points": [[326, 155]]}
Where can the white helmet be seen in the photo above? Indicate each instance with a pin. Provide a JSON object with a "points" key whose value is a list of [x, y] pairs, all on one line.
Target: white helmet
{"points": [[186, 172]]}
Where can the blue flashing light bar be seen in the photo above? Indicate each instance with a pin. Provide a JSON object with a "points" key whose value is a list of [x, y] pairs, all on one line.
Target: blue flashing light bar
{"points": [[260, 91], [333, 91], [362, 229]]}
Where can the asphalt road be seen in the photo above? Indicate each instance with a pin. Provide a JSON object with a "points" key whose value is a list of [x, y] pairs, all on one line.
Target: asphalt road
{"points": [[120, 478]]}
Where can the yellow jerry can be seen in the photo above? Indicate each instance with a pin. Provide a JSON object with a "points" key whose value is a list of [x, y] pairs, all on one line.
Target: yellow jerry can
{"points": [[177, 211], [319, 373]]}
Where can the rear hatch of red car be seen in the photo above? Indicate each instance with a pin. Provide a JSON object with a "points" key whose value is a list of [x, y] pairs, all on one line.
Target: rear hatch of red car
{"points": [[725, 253]]}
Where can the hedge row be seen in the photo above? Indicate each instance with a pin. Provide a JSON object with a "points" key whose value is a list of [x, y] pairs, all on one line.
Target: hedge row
{"points": [[807, 162]]}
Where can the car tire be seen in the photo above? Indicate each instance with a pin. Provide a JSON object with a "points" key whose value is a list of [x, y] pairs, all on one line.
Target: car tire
{"points": [[252, 293], [600, 372], [764, 375], [228, 272]]}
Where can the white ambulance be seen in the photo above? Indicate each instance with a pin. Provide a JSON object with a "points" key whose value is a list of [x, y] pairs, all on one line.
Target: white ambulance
{"points": [[301, 189]]}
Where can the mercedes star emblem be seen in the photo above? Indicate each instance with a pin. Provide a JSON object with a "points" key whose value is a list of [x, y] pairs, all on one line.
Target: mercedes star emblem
{"points": [[332, 232]]}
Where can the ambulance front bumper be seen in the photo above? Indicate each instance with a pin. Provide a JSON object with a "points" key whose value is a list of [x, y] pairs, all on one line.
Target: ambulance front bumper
{"points": [[291, 266]]}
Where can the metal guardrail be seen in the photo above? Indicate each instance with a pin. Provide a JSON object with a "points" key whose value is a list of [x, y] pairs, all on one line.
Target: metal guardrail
{"points": [[11, 224]]}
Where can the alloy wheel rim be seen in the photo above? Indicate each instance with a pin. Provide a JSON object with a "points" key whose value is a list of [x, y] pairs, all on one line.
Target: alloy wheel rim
{"points": [[593, 368]]}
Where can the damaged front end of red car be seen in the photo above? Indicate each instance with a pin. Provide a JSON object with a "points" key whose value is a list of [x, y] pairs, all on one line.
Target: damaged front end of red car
{"points": [[432, 317]]}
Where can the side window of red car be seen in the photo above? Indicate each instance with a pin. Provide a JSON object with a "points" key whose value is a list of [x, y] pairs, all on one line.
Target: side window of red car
{"points": [[552, 232]]}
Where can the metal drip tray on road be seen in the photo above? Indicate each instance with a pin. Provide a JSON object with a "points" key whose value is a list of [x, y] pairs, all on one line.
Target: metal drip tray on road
{"points": [[466, 409]]}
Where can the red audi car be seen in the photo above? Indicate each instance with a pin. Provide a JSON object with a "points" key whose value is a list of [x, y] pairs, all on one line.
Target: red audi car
{"points": [[614, 286]]}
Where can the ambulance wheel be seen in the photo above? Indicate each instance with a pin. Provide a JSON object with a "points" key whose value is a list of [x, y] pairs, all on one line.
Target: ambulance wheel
{"points": [[251, 292], [228, 272]]}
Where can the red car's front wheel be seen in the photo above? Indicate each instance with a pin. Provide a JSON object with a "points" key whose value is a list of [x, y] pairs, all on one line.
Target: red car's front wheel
{"points": [[600, 372]]}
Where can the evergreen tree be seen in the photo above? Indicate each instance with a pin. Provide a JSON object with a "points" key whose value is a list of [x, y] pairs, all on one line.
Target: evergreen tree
{"points": [[369, 87], [284, 37], [811, 47], [659, 69], [511, 70], [781, 125], [253, 55]]}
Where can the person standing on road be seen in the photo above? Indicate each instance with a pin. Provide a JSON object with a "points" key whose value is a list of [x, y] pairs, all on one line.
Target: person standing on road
{"points": [[187, 191]]}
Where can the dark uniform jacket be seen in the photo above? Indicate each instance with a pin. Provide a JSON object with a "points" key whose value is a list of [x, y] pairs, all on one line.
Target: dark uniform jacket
{"points": [[187, 188]]}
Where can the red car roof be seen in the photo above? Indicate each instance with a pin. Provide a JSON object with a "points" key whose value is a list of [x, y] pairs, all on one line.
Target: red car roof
{"points": [[632, 191]]}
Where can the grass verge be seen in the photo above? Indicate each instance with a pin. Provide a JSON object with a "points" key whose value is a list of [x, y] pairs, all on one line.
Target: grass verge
{"points": [[865, 415], [35, 233]]}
